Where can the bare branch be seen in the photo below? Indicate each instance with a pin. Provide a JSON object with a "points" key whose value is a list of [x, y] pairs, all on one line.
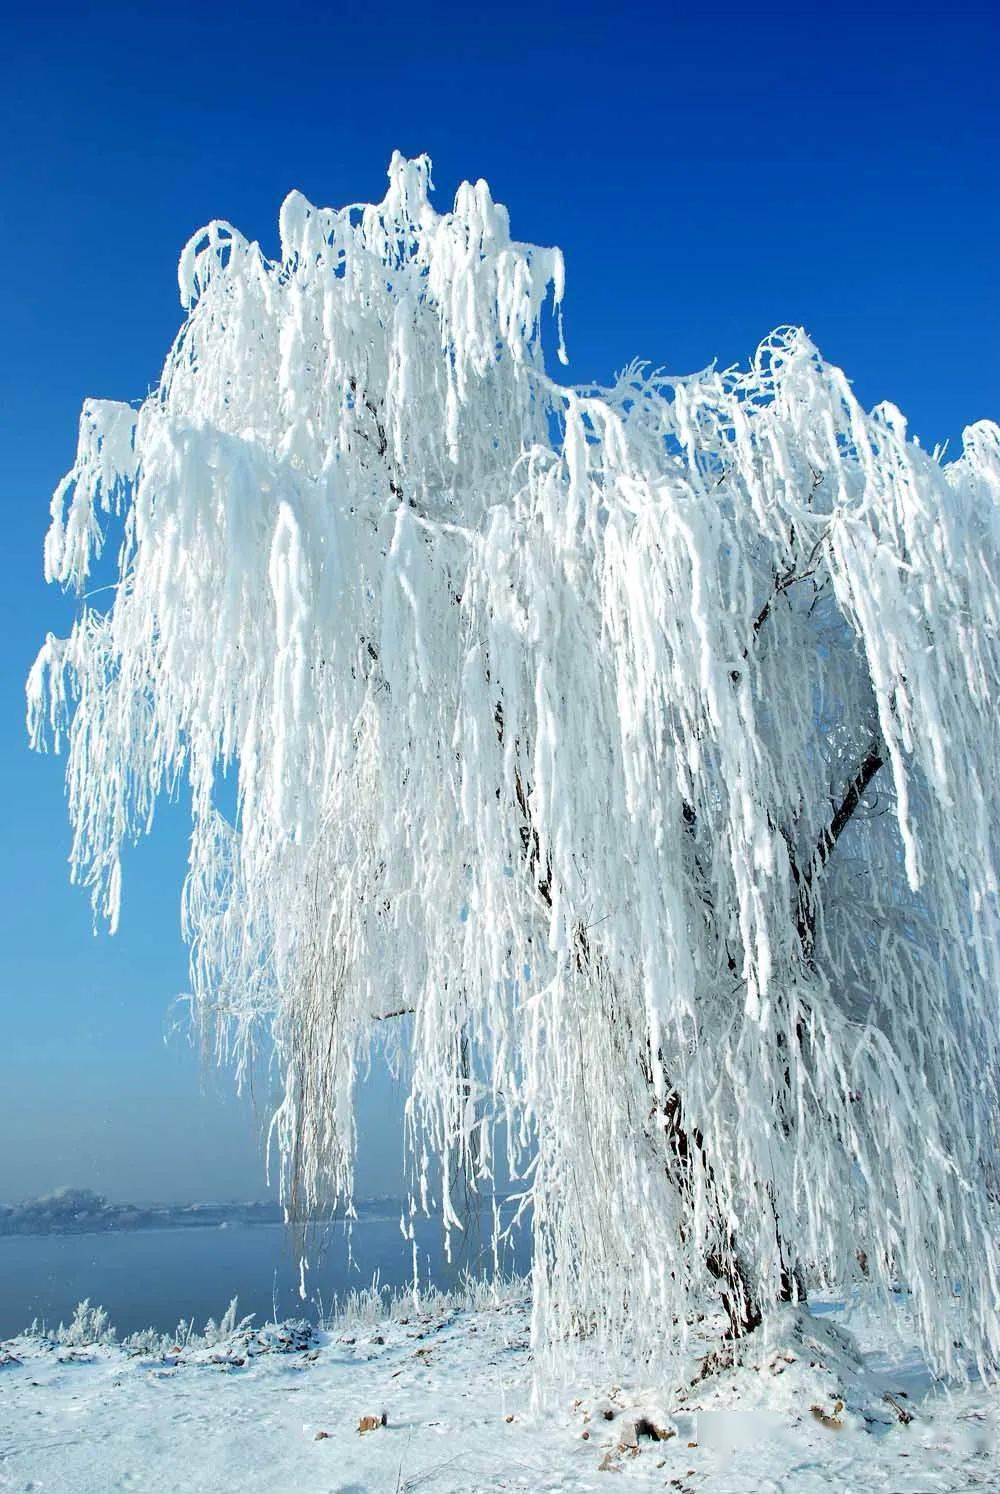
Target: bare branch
{"points": [[805, 911]]}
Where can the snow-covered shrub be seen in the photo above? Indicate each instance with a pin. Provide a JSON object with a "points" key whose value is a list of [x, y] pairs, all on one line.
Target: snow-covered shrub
{"points": [[364, 1307], [88, 1326]]}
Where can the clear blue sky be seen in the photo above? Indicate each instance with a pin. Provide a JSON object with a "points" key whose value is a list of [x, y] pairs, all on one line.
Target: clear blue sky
{"points": [[710, 171]]}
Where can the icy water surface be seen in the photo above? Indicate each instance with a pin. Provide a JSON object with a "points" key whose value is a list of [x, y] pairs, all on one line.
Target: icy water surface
{"points": [[155, 1277]]}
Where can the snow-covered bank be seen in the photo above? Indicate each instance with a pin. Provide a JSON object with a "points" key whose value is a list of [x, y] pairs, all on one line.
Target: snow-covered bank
{"points": [[278, 1409]]}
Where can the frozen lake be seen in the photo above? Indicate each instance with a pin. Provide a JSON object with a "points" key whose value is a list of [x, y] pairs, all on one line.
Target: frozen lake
{"points": [[154, 1277]]}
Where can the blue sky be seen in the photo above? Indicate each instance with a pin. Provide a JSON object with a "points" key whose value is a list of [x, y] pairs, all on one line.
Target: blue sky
{"points": [[710, 172]]}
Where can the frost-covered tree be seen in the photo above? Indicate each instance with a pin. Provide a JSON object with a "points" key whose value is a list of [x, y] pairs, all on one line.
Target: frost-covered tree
{"points": [[628, 756]]}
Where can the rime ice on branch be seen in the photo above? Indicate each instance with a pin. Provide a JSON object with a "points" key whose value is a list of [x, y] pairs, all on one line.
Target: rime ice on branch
{"points": [[634, 749]]}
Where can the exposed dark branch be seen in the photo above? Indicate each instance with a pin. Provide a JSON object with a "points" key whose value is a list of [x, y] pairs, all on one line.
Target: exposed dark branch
{"points": [[723, 1263], [382, 446], [862, 778], [783, 583], [530, 843], [789, 578], [805, 909]]}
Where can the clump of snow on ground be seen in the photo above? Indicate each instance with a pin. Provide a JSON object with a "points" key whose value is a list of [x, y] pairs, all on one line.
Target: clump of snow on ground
{"points": [[807, 1406]]}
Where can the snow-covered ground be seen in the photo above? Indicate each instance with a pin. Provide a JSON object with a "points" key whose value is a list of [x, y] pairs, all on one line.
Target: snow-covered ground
{"points": [[278, 1410]]}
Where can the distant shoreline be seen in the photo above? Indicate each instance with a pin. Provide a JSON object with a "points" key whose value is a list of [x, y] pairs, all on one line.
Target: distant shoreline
{"points": [[80, 1212], [77, 1212]]}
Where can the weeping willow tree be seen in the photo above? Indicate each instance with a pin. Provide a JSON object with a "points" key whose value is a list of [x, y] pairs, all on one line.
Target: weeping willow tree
{"points": [[627, 755]]}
